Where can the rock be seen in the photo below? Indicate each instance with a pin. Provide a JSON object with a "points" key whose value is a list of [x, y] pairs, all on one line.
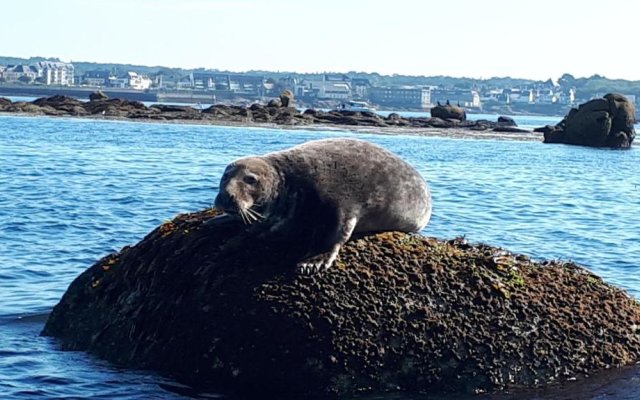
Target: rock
{"points": [[397, 312], [4, 102], [114, 107], [24, 107], [62, 103], [506, 121], [286, 98], [170, 108], [606, 122], [274, 103], [449, 112], [512, 129], [97, 96]]}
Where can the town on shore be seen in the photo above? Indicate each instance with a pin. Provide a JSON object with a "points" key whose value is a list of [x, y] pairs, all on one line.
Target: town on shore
{"points": [[44, 77]]}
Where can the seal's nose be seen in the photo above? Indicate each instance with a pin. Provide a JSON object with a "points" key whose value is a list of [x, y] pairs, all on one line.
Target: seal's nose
{"points": [[224, 201]]}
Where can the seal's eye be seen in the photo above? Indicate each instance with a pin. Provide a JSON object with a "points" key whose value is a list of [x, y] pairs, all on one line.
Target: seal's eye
{"points": [[250, 180]]}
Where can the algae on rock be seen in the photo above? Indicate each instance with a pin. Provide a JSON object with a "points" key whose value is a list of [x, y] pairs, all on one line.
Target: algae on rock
{"points": [[214, 305]]}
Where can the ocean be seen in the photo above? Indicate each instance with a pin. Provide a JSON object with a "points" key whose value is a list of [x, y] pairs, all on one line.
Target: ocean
{"points": [[74, 190]]}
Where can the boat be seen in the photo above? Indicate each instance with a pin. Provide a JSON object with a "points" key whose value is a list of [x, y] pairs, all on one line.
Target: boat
{"points": [[356, 106]]}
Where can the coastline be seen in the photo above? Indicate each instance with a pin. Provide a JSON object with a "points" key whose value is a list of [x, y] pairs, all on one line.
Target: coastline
{"points": [[454, 133]]}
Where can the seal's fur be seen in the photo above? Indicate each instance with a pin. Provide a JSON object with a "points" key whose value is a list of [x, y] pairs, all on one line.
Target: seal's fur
{"points": [[357, 186]]}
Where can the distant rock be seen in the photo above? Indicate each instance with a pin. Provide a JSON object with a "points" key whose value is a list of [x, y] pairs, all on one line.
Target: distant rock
{"points": [[506, 121], [274, 103], [215, 304], [605, 122], [274, 112], [448, 112], [97, 96]]}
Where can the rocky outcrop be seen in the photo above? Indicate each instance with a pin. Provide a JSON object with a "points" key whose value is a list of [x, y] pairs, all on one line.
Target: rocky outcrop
{"points": [[448, 112], [606, 122], [217, 305], [97, 96], [274, 112]]}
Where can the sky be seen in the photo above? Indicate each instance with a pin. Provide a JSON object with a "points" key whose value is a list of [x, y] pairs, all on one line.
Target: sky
{"points": [[533, 39]]}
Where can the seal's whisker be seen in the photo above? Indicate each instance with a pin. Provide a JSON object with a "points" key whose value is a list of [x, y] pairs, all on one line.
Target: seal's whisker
{"points": [[245, 220], [253, 213]]}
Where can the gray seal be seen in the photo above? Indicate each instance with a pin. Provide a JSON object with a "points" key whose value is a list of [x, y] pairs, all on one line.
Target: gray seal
{"points": [[339, 186]]}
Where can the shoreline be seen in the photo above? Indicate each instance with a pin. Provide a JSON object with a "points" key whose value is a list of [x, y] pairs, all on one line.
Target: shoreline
{"points": [[452, 133]]}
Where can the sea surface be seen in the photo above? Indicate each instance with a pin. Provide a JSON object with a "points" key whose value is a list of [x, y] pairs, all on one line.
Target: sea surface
{"points": [[73, 190]]}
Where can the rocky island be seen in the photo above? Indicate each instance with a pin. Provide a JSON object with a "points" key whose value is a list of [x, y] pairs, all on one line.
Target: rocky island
{"points": [[607, 122], [397, 312], [277, 112]]}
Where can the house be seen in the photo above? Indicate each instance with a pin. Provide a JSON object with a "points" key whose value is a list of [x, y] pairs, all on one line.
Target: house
{"points": [[329, 86], [401, 97], [55, 73], [96, 77], [138, 82], [360, 87], [20, 73], [130, 80], [252, 85], [468, 98]]}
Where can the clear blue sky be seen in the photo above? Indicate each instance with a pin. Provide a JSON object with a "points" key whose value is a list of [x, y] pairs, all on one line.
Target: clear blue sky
{"points": [[537, 39]]}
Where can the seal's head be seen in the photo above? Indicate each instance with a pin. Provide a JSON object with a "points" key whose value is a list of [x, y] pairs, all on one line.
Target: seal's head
{"points": [[247, 188]]}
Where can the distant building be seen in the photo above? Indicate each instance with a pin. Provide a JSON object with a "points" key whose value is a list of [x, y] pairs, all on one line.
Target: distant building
{"points": [[252, 85], [97, 78], [515, 96], [401, 97], [138, 82], [20, 73], [55, 73], [360, 87], [465, 97], [329, 87], [130, 80]]}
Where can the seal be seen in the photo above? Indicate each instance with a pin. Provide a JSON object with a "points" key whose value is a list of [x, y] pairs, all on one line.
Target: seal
{"points": [[338, 186]]}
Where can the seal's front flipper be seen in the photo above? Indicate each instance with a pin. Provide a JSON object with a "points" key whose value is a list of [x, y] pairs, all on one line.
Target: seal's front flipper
{"points": [[319, 262], [322, 261]]}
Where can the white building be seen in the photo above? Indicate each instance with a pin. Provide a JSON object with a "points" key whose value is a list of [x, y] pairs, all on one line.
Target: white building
{"points": [[55, 73], [131, 80], [139, 82], [336, 87]]}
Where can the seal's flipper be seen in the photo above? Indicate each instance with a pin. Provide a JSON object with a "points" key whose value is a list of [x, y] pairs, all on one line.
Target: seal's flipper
{"points": [[322, 261]]}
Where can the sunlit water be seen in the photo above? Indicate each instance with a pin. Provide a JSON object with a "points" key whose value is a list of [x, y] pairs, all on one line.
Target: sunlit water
{"points": [[72, 191]]}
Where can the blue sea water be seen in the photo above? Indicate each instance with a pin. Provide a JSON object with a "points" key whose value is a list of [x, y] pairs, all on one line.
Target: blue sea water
{"points": [[72, 191]]}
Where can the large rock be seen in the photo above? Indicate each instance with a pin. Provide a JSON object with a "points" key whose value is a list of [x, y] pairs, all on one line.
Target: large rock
{"points": [[216, 304], [449, 112], [97, 96], [606, 122]]}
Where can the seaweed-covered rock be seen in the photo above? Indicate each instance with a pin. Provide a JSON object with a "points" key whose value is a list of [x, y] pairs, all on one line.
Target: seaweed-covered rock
{"points": [[606, 122], [213, 303]]}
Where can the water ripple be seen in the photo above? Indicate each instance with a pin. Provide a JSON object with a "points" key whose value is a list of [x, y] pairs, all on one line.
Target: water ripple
{"points": [[76, 190]]}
